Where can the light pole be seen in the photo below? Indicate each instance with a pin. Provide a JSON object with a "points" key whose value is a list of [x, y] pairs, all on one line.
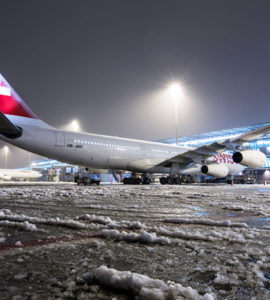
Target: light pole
{"points": [[6, 150], [175, 90], [30, 160]]}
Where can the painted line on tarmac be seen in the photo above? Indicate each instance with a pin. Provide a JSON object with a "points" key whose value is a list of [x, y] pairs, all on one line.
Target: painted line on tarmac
{"points": [[48, 241]]}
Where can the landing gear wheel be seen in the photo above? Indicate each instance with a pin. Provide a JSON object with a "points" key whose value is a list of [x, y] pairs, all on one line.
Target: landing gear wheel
{"points": [[163, 180], [126, 180], [130, 180], [177, 180], [169, 180], [137, 180], [146, 180]]}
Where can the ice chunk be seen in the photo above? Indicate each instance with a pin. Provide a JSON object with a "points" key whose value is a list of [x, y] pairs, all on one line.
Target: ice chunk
{"points": [[143, 237], [207, 222], [146, 287]]}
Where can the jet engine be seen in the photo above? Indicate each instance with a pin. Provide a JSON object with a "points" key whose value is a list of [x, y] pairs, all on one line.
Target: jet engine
{"points": [[216, 170], [249, 158]]}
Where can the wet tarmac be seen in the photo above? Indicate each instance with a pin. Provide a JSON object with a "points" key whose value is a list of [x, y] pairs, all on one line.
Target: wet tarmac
{"points": [[211, 238]]}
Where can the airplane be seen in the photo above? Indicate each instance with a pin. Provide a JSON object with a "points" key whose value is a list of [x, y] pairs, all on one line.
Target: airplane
{"points": [[19, 126], [9, 174]]}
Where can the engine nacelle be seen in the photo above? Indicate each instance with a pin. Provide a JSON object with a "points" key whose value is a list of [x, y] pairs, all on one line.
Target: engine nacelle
{"points": [[250, 158], [216, 170]]}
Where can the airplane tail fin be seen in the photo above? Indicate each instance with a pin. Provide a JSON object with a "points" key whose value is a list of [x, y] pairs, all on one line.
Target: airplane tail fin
{"points": [[11, 103]]}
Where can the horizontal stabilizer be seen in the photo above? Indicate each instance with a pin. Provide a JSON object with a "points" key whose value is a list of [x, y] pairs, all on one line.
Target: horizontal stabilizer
{"points": [[7, 128]]}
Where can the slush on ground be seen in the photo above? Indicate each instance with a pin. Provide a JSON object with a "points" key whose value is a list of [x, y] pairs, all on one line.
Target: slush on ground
{"points": [[135, 242]]}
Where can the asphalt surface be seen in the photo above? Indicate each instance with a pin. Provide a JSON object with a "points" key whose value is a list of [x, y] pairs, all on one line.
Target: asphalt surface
{"points": [[212, 238]]}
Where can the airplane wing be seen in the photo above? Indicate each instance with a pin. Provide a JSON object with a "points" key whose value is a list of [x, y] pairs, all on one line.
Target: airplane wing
{"points": [[202, 153], [197, 155], [253, 134]]}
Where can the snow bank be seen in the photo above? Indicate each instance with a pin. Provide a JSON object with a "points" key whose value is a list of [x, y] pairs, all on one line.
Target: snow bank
{"points": [[25, 225], [207, 222], [6, 214], [128, 225], [143, 237], [145, 287], [238, 235], [66, 223], [96, 219]]}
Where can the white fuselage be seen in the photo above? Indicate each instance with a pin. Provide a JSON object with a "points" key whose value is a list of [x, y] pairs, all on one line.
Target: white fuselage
{"points": [[96, 151]]}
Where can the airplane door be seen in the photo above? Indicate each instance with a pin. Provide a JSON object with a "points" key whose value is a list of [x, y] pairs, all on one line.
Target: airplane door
{"points": [[60, 139]]}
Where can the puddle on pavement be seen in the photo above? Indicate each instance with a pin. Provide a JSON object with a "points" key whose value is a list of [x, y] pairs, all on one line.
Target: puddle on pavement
{"points": [[262, 221], [253, 221], [233, 215], [197, 207], [199, 211]]}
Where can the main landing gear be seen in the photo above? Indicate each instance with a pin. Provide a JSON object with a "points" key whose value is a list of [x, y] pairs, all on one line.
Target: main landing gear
{"points": [[170, 180], [144, 179], [174, 177], [132, 180]]}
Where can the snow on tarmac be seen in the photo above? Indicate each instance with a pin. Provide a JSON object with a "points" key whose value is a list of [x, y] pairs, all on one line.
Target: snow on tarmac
{"points": [[142, 242], [145, 287]]}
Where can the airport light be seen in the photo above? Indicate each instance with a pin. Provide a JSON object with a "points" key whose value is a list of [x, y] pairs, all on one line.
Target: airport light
{"points": [[6, 150], [267, 173], [74, 126], [176, 91]]}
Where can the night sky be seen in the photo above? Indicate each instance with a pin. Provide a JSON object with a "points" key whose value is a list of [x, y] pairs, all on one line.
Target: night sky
{"points": [[108, 63]]}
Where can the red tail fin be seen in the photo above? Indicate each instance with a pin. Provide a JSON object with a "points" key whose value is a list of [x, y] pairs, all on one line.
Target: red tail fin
{"points": [[11, 103]]}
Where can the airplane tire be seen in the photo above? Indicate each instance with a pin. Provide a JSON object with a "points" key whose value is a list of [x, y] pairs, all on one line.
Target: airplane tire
{"points": [[125, 180], [176, 180], [169, 180], [130, 180], [163, 180], [146, 180], [137, 180]]}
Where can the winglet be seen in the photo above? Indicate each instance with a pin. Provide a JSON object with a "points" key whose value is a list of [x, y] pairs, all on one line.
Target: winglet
{"points": [[7, 128]]}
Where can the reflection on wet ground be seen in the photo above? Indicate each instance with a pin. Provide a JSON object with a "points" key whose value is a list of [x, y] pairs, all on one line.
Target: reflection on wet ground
{"points": [[258, 222]]}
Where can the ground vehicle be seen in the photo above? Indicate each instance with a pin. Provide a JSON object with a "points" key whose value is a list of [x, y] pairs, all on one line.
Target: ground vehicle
{"points": [[243, 179], [87, 179]]}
